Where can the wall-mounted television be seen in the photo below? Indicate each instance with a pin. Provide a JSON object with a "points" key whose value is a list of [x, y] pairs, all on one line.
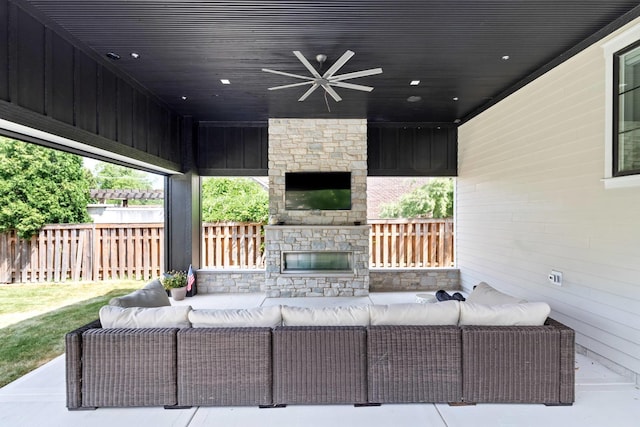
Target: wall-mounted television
{"points": [[317, 191]]}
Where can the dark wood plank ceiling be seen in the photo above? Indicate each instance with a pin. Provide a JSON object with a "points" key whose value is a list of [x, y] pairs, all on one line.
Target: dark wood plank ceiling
{"points": [[455, 49]]}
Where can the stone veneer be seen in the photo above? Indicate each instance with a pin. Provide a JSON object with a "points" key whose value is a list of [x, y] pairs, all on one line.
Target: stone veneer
{"points": [[215, 281], [230, 281], [413, 279], [317, 145], [283, 238]]}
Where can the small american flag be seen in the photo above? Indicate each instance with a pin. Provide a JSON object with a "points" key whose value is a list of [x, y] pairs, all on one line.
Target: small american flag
{"points": [[191, 278]]}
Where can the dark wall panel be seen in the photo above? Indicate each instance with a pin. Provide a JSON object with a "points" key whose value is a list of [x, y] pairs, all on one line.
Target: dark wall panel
{"points": [[48, 82], [412, 150], [229, 149], [140, 121], [234, 148], [86, 93], [108, 104], [172, 147], [254, 153], [59, 78], [439, 149], [125, 113], [30, 63], [388, 152], [156, 128], [210, 148], [4, 50], [424, 136], [405, 148]]}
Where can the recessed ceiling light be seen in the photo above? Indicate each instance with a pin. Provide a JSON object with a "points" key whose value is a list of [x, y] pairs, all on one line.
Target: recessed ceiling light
{"points": [[184, 98], [225, 81], [455, 98], [414, 98], [135, 55], [505, 57], [112, 55], [414, 82]]}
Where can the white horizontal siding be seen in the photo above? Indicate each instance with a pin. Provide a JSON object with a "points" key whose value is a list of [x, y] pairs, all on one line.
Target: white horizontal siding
{"points": [[530, 199]]}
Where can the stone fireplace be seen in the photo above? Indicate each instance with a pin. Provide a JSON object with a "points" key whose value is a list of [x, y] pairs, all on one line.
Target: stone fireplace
{"points": [[317, 252]]}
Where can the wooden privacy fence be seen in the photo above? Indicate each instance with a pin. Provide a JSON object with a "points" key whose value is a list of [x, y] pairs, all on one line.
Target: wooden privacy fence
{"points": [[136, 251], [83, 252], [411, 243], [232, 245], [393, 244]]}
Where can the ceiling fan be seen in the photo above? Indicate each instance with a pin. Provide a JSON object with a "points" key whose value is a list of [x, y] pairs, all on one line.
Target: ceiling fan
{"points": [[328, 79]]}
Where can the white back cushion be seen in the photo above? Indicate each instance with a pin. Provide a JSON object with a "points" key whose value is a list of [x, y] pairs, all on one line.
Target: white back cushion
{"points": [[145, 317], [232, 318], [441, 313], [485, 294], [327, 316], [526, 314]]}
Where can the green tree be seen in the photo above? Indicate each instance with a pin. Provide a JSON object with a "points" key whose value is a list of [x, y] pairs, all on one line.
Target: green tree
{"points": [[234, 199], [115, 177], [40, 186], [432, 200]]}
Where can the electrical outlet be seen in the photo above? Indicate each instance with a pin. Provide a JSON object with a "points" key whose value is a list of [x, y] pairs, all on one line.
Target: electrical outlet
{"points": [[555, 277]]}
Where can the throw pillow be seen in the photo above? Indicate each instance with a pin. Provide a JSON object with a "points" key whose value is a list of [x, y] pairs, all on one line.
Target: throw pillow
{"points": [[151, 295], [485, 294], [327, 316], [442, 313], [145, 317], [231, 318], [526, 314]]}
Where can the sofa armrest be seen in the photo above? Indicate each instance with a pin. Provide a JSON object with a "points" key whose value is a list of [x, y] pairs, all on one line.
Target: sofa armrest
{"points": [[73, 362], [567, 361]]}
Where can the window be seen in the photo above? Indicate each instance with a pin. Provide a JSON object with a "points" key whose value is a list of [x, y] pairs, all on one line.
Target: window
{"points": [[626, 112], [622, 109]]}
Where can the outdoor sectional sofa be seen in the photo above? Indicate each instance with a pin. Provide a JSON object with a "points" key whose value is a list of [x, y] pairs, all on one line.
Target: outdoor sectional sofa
{"points": [[363, 355]]}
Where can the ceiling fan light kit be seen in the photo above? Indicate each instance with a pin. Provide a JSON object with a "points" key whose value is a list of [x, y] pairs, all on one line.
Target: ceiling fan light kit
{"points": [[328, 79]]}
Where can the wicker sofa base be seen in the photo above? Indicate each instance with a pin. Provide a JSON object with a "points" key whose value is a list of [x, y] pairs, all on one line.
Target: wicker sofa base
{"points": [[178, 368]]}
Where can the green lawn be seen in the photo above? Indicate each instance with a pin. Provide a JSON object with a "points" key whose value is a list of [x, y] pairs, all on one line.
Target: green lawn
{"points": [[35, 317]]}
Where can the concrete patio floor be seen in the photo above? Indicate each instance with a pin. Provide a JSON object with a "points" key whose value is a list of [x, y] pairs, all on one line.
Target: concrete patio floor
{"points": [[603, 398]]}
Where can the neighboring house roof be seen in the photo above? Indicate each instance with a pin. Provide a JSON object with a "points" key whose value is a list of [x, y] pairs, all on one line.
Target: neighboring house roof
{"points": [[382, 190]]}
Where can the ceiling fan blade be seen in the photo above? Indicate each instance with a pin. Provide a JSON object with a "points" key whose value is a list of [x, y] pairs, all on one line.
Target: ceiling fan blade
{"points": [[282, 73], [291, 85], [309, 92], [338, 64], [306, 63], [356, 74], [332, 92], [351, 86]]}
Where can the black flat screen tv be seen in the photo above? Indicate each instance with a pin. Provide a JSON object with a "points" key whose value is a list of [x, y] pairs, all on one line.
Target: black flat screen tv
{"points": [[317, 191]]}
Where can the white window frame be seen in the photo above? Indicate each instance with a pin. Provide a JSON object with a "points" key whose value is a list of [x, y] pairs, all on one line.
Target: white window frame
{"points": [[625, 39]]}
